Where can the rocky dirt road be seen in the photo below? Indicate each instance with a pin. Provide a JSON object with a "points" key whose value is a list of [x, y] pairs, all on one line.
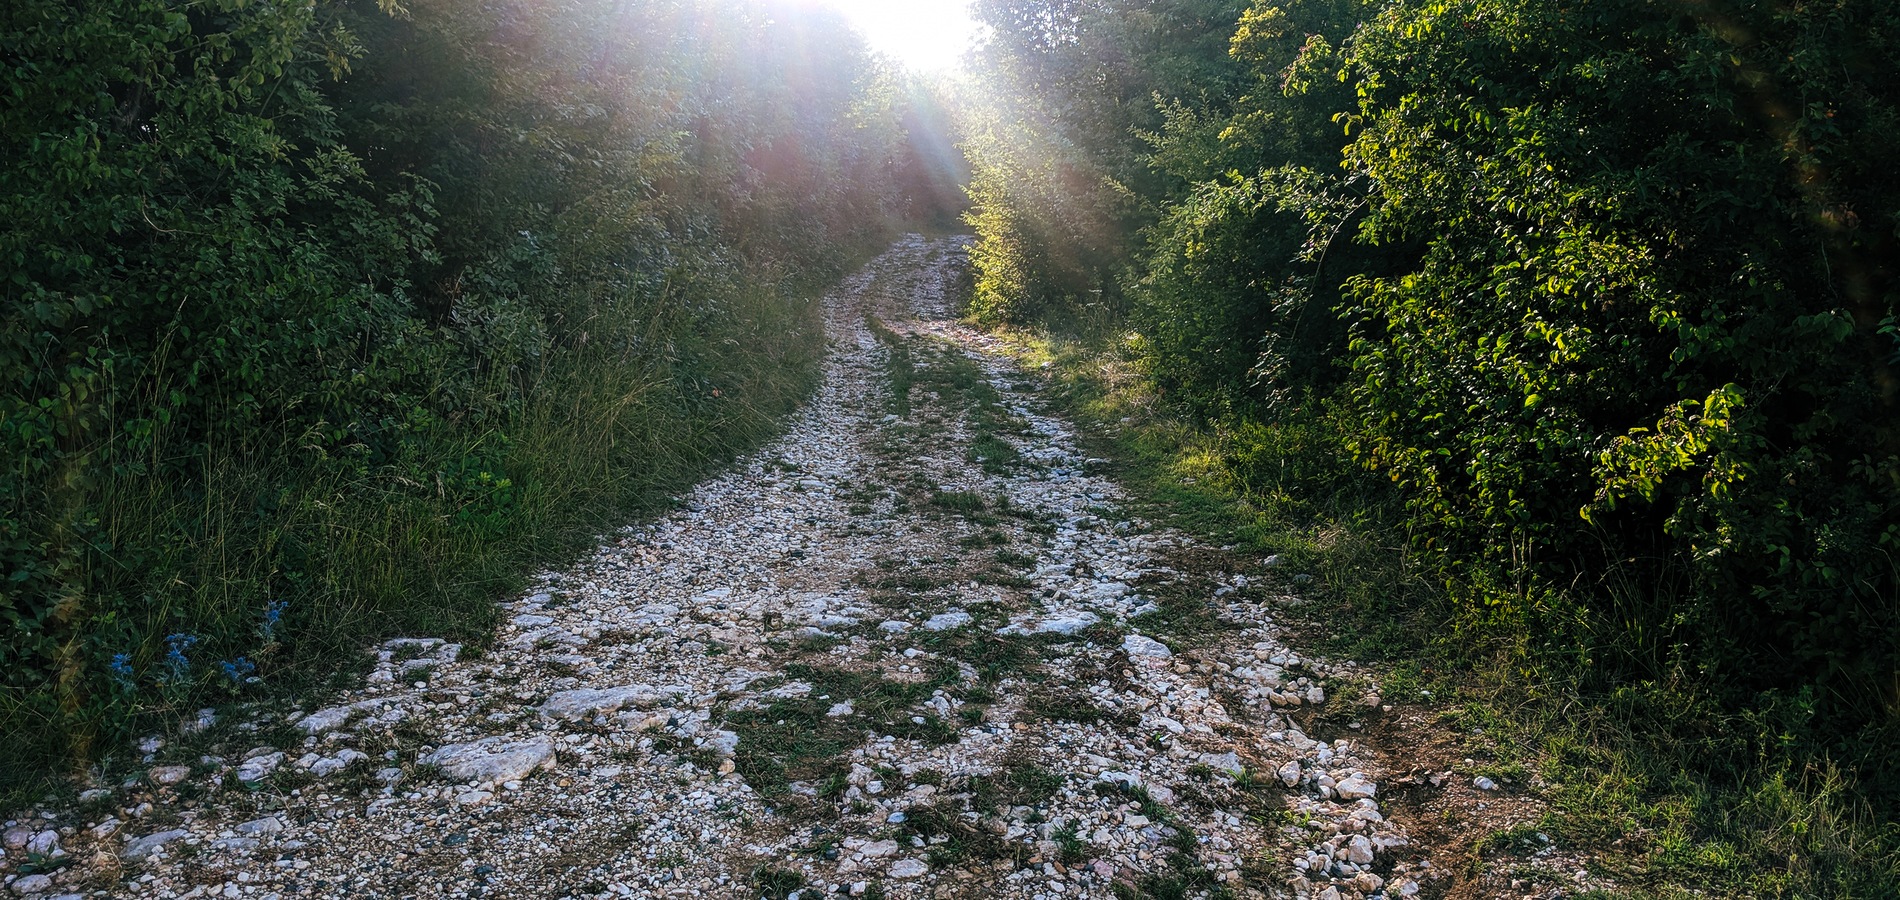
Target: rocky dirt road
{"points": [[912, 649]]}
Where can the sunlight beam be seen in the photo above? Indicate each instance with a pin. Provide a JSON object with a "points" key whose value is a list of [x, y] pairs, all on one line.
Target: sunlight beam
{"points": [[922, 35]]}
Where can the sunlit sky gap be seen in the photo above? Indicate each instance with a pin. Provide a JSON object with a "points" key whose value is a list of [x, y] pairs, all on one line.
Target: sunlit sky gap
{"points": [[924, 35]]}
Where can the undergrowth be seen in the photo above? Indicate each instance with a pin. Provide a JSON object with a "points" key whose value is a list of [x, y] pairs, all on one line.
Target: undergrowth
{"points": [[1672, 792], [376, 557]]}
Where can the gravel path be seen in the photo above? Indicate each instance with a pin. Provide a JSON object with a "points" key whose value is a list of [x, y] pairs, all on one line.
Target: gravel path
{"points": [[912, 649]]}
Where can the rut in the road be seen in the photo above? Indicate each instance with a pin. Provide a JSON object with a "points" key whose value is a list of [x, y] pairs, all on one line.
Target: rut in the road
{"points": [[911, 650]]}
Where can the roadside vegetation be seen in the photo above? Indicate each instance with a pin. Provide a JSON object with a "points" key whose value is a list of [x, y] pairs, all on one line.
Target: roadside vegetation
{"points": [[1556, 341], [332, 321]]}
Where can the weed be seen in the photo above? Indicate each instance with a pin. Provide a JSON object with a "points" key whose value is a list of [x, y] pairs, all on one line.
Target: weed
{"points": [[899, 371], [1520, 840], [1013, 558], [984, 539], [995, 455], [952, 838], [994, 656], [1070, 848], [962, 502], [776, 883], [1067, 703], [994, 578], [1017, 782], [909, 581], [794, 739]]}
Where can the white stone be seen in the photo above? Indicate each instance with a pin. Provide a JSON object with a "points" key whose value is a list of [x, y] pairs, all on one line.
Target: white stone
{"points": [[46, 843], [266, 825], [236, 845], [326, 720], [330, 765], [908, 868], [203, 721], [257, 768], [1228, 762], [790, 690], [1141, 645], [493, 760], [1359, 850], [1066, 625], [655, 613], [587, 702], [946, 621], [1355, 787], [724, 743], [150, 844]]}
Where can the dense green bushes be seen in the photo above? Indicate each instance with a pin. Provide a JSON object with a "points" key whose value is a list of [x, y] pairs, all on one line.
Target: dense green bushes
{"points": [[1644, 334], [1606, 289], [327, 320]]}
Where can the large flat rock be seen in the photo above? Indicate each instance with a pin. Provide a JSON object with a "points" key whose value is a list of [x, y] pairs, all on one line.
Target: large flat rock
{"points": [[578, 704], [493, 760]]}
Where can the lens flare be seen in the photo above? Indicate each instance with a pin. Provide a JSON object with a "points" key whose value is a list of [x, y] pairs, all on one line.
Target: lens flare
{"points": [[922, 35]]}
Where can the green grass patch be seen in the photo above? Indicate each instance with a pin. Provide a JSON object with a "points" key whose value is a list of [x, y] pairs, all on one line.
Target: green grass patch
{"points": [[1070, 703], [981, 540], [900, 373], [793, 739], [994, 656], [776, 883], [997, 577], [962, 502], [953, 839], [1017, 782], [1013, 558], [995, 455]]}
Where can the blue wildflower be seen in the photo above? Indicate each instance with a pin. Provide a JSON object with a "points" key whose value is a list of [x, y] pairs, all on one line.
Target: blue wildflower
{"points": [[273, 614], [121, 669], [239, 670], [176, 664]]}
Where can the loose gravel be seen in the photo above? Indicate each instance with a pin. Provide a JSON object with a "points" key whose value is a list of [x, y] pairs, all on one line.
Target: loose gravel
{"points": [[912, 649]]}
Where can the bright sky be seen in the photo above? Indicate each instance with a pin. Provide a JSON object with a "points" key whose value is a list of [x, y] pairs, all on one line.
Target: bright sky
{"points": [[925, 35]]}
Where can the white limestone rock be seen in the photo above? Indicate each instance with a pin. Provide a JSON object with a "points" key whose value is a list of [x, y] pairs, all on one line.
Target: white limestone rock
{"points": [[493, 760]]}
